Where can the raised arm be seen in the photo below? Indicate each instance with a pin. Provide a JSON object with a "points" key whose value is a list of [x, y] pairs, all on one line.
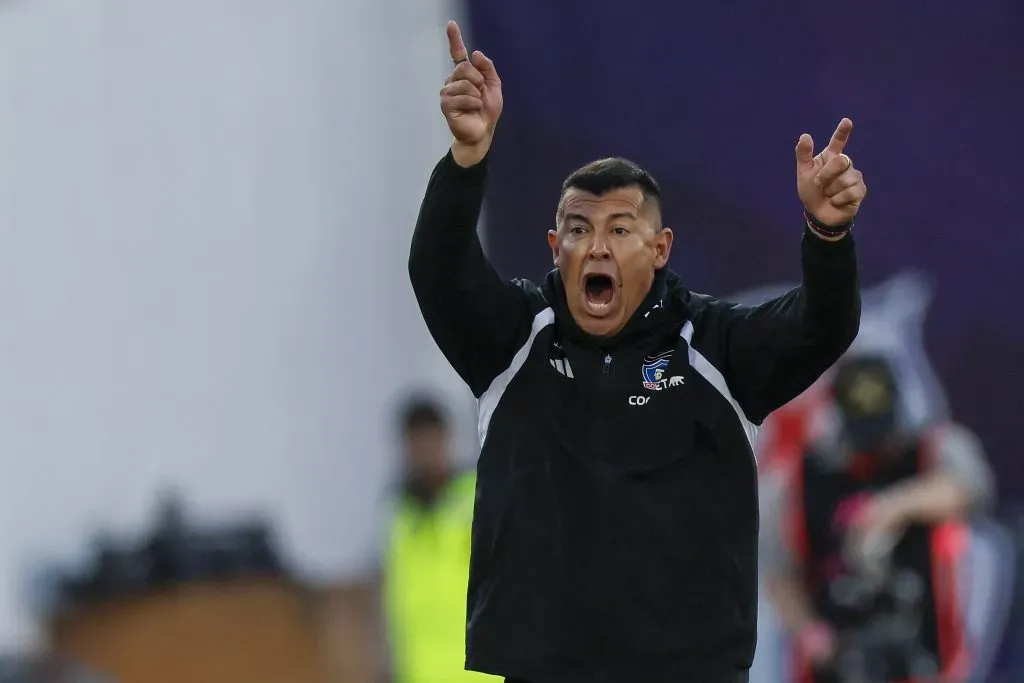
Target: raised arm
{"points": [[773, 352], [477, 319], [778, 349]]}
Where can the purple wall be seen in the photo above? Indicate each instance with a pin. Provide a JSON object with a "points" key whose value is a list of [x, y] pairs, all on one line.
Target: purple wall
{"points": [[711, 99]]}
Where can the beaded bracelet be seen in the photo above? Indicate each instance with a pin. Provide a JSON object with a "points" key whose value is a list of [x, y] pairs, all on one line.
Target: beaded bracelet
{"points": [[827, 230]]}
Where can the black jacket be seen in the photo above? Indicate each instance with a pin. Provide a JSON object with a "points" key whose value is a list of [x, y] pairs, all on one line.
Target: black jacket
{"points": [[616, 520]]}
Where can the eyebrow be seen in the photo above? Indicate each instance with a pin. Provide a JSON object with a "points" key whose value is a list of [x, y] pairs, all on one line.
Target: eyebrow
{"points": [[581, 217]]}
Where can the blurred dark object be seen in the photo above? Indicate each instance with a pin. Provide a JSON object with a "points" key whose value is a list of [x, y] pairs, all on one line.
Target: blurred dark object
{"points": [[185, 604], [884, 605], [866, 394], [47, 669], [173, 554]]}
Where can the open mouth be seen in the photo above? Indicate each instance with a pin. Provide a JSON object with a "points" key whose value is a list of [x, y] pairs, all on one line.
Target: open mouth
{"points": [[599, 291]]}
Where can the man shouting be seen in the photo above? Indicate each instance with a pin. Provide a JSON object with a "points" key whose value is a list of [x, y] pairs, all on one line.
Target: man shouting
{"points": [[615, 527]]}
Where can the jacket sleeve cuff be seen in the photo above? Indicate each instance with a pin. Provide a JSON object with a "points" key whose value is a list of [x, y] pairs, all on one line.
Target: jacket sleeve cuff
{"points": [[474, 175], [831, 260]]}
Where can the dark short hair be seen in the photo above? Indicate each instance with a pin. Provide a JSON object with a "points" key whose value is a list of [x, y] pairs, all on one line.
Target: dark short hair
{"points": [[421, 411], [604, 175]]}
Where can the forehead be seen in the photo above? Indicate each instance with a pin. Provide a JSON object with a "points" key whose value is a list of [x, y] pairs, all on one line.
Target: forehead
{"points": [[622, 200]]}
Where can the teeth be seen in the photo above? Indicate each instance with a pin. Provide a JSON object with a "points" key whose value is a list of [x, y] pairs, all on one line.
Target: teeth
{"points": [[599, 307]]}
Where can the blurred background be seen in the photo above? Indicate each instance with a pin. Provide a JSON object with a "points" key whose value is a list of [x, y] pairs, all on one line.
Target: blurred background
{"points": [[221, 416]]}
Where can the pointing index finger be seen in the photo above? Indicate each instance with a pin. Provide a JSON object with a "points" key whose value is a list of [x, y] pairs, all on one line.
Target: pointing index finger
{"points": [[841, 136], [456, 47]]}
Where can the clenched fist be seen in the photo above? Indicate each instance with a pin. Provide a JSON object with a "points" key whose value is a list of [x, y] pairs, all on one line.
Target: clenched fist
{"points": [[470, 100], [830, 188]]}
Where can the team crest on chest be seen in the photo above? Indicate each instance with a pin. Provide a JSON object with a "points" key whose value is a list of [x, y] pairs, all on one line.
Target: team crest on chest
{"points": [[654, 371]]}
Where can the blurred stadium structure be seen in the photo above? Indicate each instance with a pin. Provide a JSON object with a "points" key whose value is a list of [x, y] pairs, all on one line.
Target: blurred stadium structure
{"points": [[205, 210]]}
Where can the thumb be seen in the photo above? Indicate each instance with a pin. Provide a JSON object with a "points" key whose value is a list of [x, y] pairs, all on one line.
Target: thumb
{"points": [[804, 152]]}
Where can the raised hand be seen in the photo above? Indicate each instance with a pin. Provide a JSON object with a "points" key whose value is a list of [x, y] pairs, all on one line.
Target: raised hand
{"points": [[830, 188], [470, 100]]}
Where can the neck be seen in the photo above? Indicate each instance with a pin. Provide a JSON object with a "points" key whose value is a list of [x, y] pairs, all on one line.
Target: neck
{"points": [[426, 488]]}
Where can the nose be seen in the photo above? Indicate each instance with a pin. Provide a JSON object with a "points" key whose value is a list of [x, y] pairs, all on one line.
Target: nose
{"points": [[599, 248]]}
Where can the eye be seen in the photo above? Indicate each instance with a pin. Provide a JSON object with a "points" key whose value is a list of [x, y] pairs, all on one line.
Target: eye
{"points": [[578, 229], [619, 230]]}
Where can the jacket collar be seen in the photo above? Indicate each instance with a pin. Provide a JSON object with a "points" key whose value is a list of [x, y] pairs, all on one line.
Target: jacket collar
{"points": [[667, 296]]}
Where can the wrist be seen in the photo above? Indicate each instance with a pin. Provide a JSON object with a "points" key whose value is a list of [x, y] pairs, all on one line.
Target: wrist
{"points": [[829, 233], [468, 155]]}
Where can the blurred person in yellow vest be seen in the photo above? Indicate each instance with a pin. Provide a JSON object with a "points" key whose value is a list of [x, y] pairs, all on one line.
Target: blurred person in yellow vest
{"points": [[426, 559]]}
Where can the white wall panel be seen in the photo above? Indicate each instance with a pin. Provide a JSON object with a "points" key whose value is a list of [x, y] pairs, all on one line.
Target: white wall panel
{"points": [[205, 209]]}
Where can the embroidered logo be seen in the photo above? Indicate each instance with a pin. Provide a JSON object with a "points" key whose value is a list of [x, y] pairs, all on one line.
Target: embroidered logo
{"points": [[654, 369]]}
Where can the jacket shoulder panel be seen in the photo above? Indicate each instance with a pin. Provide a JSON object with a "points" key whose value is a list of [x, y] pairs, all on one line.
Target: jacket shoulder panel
{"points": [[534, 294]]}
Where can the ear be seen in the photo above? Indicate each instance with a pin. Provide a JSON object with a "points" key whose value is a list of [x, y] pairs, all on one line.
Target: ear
{"points": [[553, 243], [662, 247]]}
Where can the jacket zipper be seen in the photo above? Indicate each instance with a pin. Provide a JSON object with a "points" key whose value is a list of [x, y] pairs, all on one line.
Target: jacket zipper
{"points": [[606, 368]]}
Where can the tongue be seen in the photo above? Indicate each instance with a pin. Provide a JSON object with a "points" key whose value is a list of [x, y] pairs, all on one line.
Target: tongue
{"points": [[599, 291]]}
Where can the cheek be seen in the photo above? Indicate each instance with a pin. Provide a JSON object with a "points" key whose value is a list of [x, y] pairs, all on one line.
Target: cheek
{"points": [[635, 257], [635, 268], [569, 257]]}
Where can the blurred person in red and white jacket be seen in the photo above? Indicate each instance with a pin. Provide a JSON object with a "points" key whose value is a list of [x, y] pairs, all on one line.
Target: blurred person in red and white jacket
{"points": [[860, 551]]}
